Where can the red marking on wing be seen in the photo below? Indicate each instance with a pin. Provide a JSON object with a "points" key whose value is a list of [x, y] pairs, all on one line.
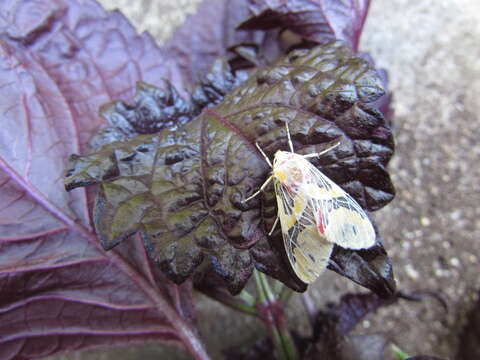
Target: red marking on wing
{"points": [[292, 188], [320, 225]]}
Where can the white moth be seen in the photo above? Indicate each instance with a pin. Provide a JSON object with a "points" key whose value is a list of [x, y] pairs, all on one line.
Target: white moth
{"points": [[314, 212]]}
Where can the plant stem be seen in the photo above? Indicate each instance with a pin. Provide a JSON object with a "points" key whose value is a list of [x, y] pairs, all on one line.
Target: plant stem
{"points": [[309, 308], [285, 294], [244, 302], [399, 353], [270, 310]]}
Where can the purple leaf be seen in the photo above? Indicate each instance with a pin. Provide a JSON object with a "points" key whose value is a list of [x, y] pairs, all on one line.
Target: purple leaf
{"points": [[200, 41], [59, 61], [341, 318], [371, 268], [93, 57], [384, 103], [315, 20]]}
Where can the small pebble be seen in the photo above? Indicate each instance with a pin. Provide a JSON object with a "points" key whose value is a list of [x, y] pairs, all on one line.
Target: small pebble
{"points": [[424, 221], [411, 272], [455, 262]]}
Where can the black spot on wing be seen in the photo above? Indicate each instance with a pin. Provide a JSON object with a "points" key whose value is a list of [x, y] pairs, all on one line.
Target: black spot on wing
{"points": [[354, 229], [286, 199], [293, 236]]}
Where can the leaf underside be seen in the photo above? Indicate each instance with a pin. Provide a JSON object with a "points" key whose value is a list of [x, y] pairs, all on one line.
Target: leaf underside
{"points": [[315, 20], [60, 291]]}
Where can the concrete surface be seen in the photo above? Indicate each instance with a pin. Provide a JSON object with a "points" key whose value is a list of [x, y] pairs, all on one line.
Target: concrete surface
{"points": [[431, 49]]}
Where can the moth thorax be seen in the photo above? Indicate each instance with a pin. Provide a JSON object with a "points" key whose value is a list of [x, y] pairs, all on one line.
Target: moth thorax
{"points": [[288, 174], [286, 168], [295, 174]]}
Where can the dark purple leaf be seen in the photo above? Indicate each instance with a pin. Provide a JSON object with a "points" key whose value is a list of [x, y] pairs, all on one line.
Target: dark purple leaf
{"points": [[218, 82], [153, 109], [182, 189], [333, 338], [384, 103], [315, 20], [339, 319], [207, 35], [93, 57], [59, 61], [371, 268]]}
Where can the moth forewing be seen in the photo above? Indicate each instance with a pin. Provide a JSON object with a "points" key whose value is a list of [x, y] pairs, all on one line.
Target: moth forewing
{"points": [[307, 252], [311, 254]]}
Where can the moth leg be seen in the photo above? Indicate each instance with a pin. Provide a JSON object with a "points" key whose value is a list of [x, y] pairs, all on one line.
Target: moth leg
{"points": [[321, 152], [259, 190], [273, 227], [264, 155], [290, 144]]}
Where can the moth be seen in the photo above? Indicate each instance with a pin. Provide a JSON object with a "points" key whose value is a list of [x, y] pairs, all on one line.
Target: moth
{"points": [[314, 212]]}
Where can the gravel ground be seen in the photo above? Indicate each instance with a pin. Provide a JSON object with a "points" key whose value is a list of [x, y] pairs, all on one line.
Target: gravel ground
{"points": [[431, 51]]}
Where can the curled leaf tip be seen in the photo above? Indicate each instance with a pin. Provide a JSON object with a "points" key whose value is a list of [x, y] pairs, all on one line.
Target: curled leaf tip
{"points": [[371, 268]]}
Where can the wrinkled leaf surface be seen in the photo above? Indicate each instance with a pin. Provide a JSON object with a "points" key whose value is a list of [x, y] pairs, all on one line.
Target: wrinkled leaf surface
{"points": [[183, 189], [315, 20]]}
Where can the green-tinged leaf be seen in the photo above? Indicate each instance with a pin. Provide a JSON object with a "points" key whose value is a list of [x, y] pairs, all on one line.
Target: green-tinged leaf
{"points": [[183, 189]]}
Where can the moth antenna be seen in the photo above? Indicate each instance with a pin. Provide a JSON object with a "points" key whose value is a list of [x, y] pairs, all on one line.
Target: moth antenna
{"points": [[290, 144], [322, 152], [264, 155]]}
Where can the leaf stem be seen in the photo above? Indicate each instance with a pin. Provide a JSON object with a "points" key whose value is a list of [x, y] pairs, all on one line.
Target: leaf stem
{"points": [[399, 353], [270, 310], [243, 302], [285, 294], [309, 308]]}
